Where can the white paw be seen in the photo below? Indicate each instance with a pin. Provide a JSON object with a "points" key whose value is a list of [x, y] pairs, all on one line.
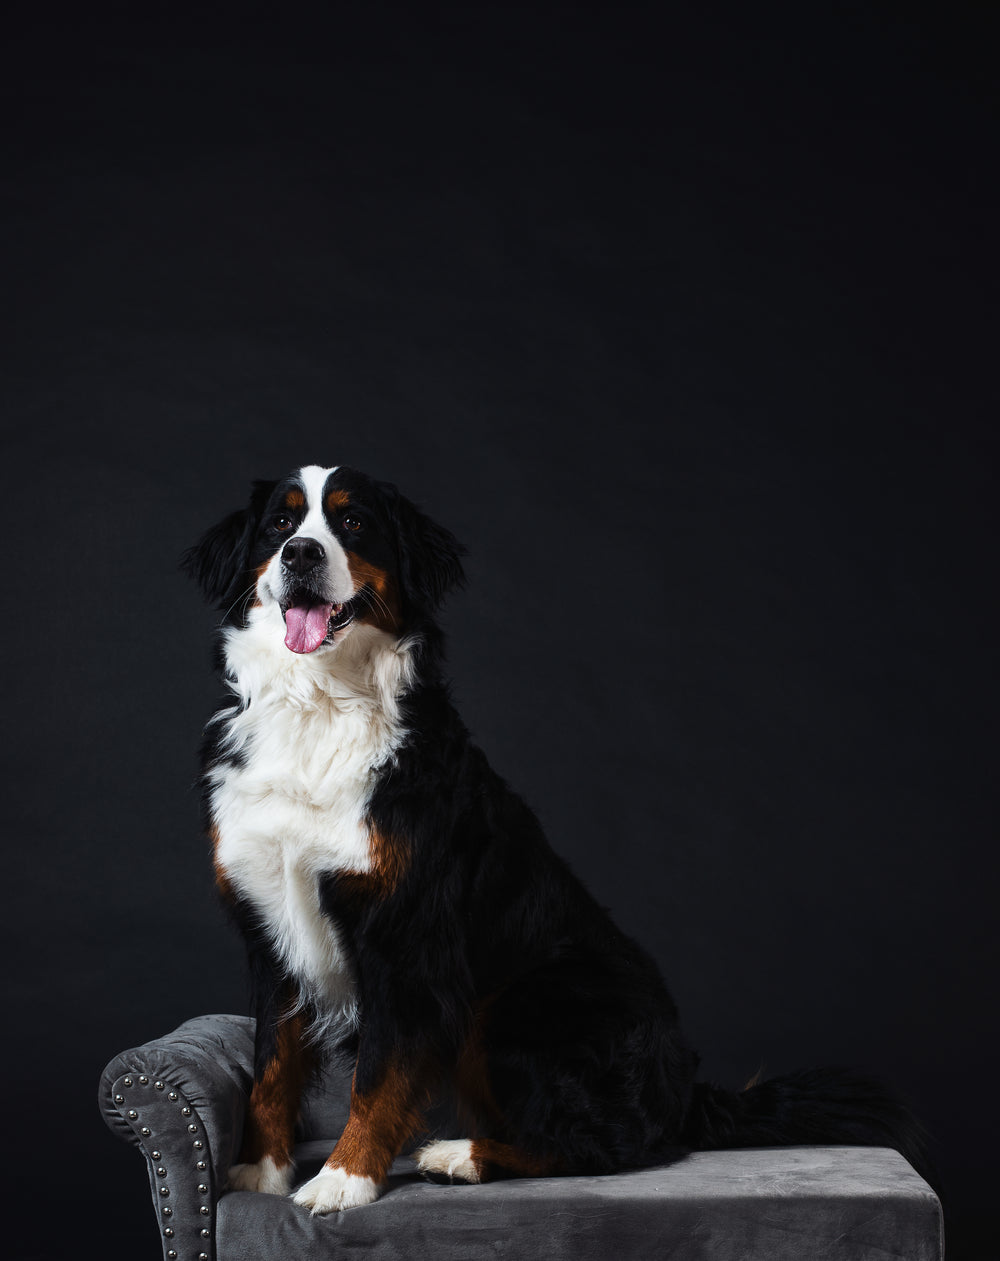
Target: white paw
{"points": [[264, 1176], [451, 1157], [335, 1189]]}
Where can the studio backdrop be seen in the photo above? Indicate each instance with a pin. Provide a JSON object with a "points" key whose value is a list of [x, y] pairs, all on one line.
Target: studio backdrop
{"points": [[678, 322]]}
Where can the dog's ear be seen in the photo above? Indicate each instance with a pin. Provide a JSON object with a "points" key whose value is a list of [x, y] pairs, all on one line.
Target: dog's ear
{"points": [[220, 561], [430, 557]]}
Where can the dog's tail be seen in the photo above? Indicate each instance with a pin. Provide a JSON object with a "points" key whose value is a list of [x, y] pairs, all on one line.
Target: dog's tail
{"points": [[820, 1106]]}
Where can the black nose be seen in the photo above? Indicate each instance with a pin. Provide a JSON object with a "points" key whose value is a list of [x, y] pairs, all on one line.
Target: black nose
{"points": [[302, 554]]}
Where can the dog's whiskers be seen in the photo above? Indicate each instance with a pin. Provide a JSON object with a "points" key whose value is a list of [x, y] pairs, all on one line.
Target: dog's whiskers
{"points": [[378, 602], [244, 595]]}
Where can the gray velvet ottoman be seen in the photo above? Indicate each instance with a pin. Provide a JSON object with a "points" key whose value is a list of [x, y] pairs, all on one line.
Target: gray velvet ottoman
{"points": [[181, 1100]]}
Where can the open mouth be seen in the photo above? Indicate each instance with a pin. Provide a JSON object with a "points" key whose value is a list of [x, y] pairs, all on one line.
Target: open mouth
{"points": [[310, 623]]}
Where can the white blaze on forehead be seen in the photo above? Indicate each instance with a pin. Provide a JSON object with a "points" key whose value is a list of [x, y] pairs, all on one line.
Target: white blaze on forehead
{"points": [[313, 480]]}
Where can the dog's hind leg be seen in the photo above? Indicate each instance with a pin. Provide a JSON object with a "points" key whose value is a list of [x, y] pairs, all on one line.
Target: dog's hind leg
{"points": [[480, 1160]]}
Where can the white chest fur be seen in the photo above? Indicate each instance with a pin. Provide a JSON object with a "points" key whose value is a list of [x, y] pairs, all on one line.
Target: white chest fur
{"points": [[311, 734]]}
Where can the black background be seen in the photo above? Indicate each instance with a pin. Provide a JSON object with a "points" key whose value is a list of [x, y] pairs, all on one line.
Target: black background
{"points": [[680, 319]]}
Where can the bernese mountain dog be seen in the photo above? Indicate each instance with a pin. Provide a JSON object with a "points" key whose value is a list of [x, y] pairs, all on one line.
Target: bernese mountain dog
{"points": [[401, 905]]}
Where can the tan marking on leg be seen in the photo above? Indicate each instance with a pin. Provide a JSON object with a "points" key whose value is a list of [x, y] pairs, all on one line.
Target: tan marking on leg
{"points": [[274, 1099], [477, 1106], [488, 1155], [379, 1124]]}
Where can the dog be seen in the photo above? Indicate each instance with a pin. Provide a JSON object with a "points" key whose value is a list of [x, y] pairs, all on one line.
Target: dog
{"points": [[401, 905]]}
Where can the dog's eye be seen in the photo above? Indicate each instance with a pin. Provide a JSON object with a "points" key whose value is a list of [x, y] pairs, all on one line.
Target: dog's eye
{"points": [[283, 523], [353, 524]]}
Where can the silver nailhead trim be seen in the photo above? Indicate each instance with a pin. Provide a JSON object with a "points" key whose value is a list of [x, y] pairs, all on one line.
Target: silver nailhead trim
{"points": [[157, 1085], [164, 1190], [204, 1210], [192, 1129], [202, 1188], [119, 1098], [128, 1081], [143, 1081], [185, 1111], [145, 1131], [133, 1115]]}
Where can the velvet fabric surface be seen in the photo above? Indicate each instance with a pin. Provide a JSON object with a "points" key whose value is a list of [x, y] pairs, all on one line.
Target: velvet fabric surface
{"points": [[776, 1204], [183, 1106]]}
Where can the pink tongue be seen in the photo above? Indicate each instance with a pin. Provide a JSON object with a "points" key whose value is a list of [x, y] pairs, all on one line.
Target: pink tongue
{"points": [[305, 628]]}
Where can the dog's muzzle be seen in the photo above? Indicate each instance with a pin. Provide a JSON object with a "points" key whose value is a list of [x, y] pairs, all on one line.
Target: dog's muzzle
{"points": [[311, 618]]}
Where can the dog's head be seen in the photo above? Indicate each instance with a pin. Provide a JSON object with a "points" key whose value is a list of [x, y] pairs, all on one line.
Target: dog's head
{"points": [[327, 548]]}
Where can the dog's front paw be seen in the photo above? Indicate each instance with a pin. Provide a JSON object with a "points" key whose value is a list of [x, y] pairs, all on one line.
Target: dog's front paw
{"points": [[264, 1176], [334, 1189]]}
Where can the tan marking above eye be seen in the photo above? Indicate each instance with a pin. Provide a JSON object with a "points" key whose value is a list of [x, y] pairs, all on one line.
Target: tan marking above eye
{"points": [[295, 499], [337, 500]]}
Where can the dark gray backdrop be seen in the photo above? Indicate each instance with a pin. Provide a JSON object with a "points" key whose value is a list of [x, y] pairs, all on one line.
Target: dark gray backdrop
{"points": [[681, 323]]}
